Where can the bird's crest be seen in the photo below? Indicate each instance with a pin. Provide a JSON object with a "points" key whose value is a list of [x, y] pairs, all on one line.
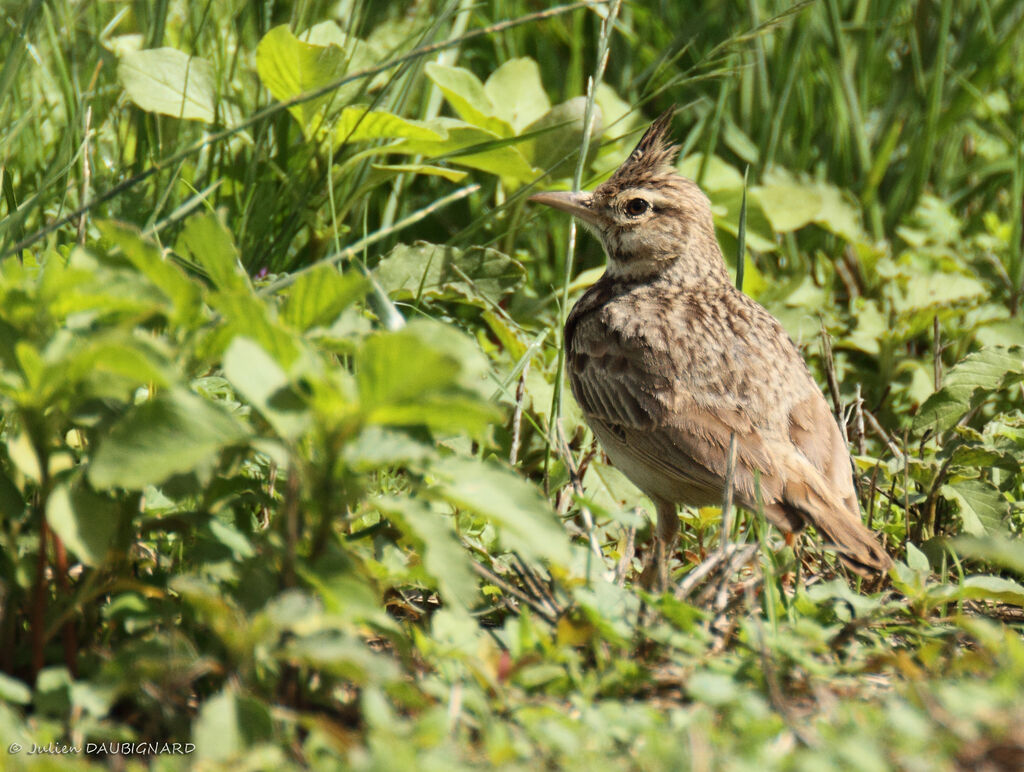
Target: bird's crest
{"points": [[652, 157]]}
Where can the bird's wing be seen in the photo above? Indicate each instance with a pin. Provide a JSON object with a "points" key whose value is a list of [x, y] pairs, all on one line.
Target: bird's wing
{"points": [[814, 432], [676, 433]]}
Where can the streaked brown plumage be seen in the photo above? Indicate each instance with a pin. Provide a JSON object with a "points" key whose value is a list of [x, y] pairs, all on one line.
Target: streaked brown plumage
{"points": [[668, 360]]}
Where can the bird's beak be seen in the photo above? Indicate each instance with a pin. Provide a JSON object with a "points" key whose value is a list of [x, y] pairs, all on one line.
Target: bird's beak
{"points": [[579, 205]]}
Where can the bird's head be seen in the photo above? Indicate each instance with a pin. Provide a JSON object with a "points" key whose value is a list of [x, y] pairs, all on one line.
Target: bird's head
{"points": [[648, 216]]}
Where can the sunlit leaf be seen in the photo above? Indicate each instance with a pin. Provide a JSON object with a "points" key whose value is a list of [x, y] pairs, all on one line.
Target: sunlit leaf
{"points": [[170, 82], [516, 93], [523, 517], [468, 98], [174, 433]]}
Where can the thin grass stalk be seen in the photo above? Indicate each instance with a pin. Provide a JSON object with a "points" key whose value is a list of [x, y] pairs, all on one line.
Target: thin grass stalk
{"points": [[588, 119], [271, 110], [861, 144]]}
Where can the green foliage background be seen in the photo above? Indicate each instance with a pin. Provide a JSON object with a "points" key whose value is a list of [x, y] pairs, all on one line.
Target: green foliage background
{"points": [[286, 469]]}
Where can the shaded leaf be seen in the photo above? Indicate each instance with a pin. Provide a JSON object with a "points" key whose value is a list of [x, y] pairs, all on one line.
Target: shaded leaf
{"points": [[86, 522], [479, 274], [174, 433], [445, 560]]}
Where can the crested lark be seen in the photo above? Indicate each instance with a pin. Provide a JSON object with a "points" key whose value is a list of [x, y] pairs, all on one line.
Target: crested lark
{"points": [[668, 360]]}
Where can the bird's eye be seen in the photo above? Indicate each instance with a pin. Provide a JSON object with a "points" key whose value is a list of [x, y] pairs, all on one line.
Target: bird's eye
{"points": [[636, 207]]}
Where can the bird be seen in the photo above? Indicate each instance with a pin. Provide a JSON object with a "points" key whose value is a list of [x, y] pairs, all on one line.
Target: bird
{"points": [[672, 366]]}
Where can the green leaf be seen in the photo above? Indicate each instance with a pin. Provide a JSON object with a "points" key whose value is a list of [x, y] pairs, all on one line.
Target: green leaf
{"points": [[425, 374], [254, 317], [479, 274], [208, 242], [917, 560], [968, 383], [473, 147], [172, 282], [444, 558], [996, 548], [790, 203], [85, 521], [386, 171], [318, 297], [516, 93], [229, 725], [174, 433], [169, 82], [525, 520], [359, 124], [981, 505], [468, 97], [290, 67], [995, 589], [556, 147], [261, 380], [13, 690]]}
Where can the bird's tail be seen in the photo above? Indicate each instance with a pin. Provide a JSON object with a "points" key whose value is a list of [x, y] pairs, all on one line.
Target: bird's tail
{"points": [[809, 497]]}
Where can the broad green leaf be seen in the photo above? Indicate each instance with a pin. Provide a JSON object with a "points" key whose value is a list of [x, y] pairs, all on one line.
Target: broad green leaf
{"points": [[290, 67], [208, 242], [262, 381], [136, 358], [23, 454], [995, 548], [228, 725], [377, 446], [359, 124], [342, 654], [444, 413], [468, 98], [425, 374], [182, 292], [253, 316], [420, 270], [995, 589], [523, 517], [516, 93], [473, 147], [967, 383], [390, 170], [318, 297], [790, 203], [937, 290], [982, 506], [85, 521], [556, 149], [718, 175], [169, 82], [445, 560], [174, 433], [14, 691], [725, 205]]}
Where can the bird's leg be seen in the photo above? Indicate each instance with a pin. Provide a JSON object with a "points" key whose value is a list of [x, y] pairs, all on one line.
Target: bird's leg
{"points": [[655, 573]]}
